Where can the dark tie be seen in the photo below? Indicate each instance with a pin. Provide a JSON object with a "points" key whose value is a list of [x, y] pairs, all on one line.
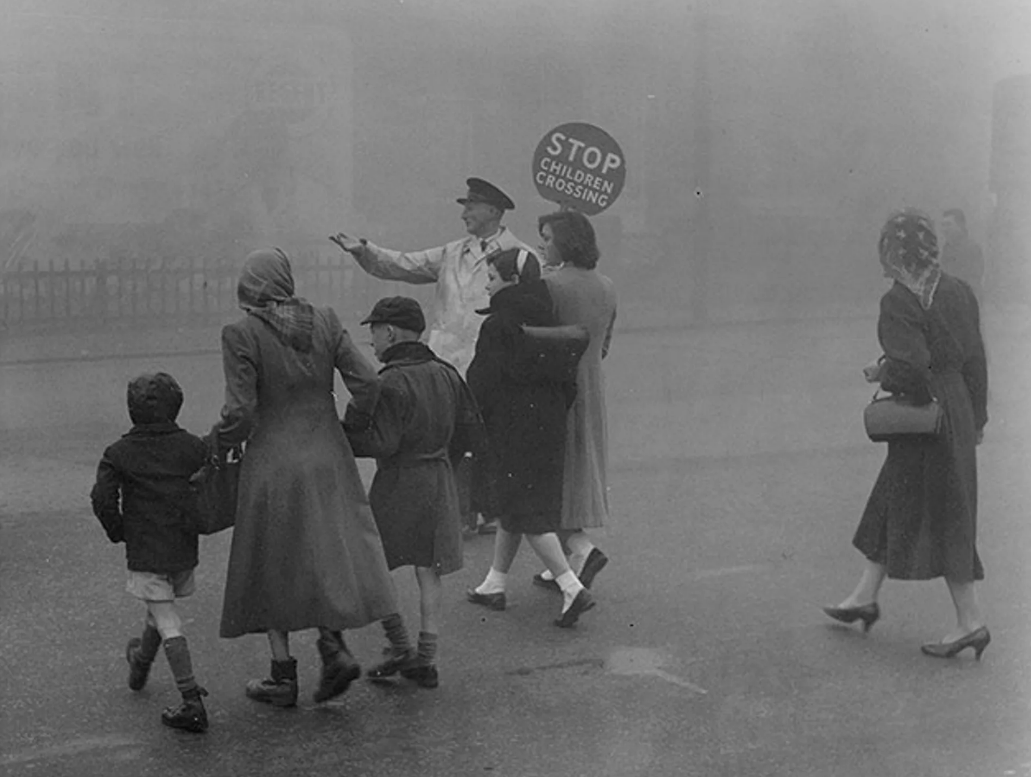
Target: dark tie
{"points": [[483, 246]]}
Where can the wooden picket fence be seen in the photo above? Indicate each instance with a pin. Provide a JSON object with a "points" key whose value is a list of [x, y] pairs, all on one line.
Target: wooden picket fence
{"points": [[65, 294]]}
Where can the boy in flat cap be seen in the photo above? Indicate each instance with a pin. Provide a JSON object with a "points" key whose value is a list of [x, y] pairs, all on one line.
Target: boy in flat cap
{"points": [[142, 497], [425, 421], [460, 273]]}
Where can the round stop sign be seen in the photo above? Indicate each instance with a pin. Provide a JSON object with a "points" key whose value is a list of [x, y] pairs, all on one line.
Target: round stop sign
{"points": [[579, 166]]}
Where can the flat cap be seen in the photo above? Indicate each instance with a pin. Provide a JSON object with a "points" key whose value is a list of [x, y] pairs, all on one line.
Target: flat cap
{"points": [[402, 312], [484, 191]]}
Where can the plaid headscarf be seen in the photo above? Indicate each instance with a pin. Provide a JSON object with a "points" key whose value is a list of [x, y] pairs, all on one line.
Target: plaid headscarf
{"points": [[266, 290], [909, 253]]}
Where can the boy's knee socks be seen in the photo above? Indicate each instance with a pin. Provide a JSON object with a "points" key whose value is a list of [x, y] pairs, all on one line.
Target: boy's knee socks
{"points": [[427, 647], [150, 643], [396, 633], [178, 654]]}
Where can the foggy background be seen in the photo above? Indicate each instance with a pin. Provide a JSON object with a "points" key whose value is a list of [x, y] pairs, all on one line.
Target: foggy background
{"points": [[765, 141], [148, 146]]}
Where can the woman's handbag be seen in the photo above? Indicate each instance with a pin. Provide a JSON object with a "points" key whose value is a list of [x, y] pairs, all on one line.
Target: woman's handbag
{"points": [[892, 417], [216, 485]]}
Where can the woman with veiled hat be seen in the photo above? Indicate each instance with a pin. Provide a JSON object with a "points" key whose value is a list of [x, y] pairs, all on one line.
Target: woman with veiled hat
{"points": [[305, 552], [921, 519]]}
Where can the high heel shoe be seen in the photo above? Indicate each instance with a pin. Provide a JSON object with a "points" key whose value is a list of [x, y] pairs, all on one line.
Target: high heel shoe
{"points": [[869, 614], [977, 639]]}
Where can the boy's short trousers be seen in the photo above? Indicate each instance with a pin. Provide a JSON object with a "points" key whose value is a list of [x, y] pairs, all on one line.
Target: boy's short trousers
{"points": [[157, 587]]}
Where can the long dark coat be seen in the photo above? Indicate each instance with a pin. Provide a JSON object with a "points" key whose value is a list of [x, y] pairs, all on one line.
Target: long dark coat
{"points": [[524, 393], [425, 421], [921, 519], [305, 549]]}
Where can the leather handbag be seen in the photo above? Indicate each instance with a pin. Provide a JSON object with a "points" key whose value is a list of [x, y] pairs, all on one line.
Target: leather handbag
{"points": [[216, 486], [892, 417]]}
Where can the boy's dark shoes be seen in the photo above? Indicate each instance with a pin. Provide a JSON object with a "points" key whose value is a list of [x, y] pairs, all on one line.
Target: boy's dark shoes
{"points": [[279, 689], [190, 715], [395, 661], [425, 675]]}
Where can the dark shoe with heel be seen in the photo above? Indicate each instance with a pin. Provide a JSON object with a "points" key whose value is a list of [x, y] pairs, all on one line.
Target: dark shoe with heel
{"points": [[869, 614], [190, 715], [581, 604], [491, 601], [977, 640], [596, 561]]}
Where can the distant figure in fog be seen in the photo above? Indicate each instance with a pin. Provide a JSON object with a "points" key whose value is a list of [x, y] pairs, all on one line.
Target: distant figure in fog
{"points": [[306, 552], [143, 498], [524, 396], [459, 271], [581, 295], [960, 255], [425, 422], [921, 519]]}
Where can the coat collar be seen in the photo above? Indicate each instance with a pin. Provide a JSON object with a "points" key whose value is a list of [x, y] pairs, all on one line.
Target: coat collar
{"points": [[144, 430], [407, 353]]}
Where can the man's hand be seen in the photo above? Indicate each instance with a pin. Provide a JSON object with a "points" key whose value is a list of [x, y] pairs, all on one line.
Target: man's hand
{"points": [[347, 243]]}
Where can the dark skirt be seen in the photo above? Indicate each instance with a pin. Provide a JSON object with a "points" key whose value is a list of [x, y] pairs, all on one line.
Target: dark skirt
{"points": [[921, 519], [531, 523]]}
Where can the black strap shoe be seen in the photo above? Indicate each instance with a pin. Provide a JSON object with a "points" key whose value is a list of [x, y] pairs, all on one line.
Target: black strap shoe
{"points": [[492, 601], [581, 604], [596, 561]]}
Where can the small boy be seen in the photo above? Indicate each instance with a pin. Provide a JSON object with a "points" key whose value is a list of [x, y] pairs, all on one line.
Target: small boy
{"points": [[143, 498], [426, 421]]}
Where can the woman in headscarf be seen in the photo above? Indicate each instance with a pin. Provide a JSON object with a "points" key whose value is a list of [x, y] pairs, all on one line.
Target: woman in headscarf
{"points": [[921, 519], [306, 552]]}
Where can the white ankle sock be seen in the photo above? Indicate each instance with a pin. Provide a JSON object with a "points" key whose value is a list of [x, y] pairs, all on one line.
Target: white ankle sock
{"points": [[493, 583], [571, 586]]}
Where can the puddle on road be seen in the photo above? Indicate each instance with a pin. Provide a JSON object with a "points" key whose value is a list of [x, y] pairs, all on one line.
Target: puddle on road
{"points": [[721, 571], [645, 661], [72, 748], [627, 661]]}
